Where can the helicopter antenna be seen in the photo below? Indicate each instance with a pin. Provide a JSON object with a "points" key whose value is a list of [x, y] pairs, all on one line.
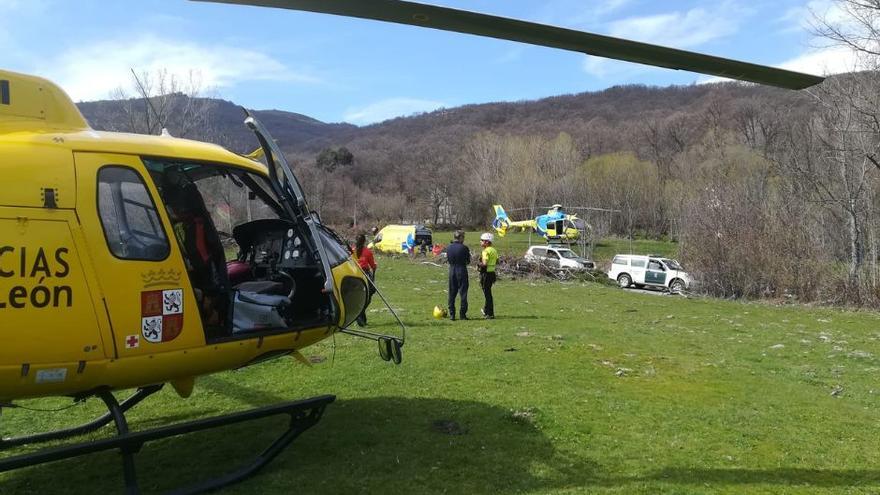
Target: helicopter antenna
{"points": [[143, 91]]}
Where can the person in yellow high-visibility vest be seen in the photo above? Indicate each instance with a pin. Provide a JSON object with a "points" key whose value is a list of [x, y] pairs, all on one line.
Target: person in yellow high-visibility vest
{"points": [[486, 265]]}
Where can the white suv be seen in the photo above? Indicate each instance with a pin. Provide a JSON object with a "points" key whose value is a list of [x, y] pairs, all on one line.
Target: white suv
{"points": [[558, 257], [653, 271]]}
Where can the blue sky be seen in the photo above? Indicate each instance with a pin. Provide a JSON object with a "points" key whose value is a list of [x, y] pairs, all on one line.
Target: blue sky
{"points": [[337, 69]]}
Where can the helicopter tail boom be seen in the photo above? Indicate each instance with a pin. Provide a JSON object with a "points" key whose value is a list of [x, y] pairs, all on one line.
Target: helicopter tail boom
{"points": [[502, 223]]}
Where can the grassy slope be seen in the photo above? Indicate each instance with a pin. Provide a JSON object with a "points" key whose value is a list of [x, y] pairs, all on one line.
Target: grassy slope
{"points": [[573, 389]]}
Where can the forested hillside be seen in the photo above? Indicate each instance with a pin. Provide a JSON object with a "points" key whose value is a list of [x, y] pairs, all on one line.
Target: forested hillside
{"points": [[426, 161]]}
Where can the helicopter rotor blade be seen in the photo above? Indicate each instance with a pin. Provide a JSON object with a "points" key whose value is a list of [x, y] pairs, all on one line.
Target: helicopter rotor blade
{"points": [[462, 21], [587, 208]]}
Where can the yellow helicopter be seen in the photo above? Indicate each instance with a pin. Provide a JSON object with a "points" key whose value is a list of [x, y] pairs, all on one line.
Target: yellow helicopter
{"points": [[116, 271], [554, 226]]}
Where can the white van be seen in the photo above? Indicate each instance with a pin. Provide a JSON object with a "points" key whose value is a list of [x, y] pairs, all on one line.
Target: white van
{"points": [[652, 271], [558, 257]]}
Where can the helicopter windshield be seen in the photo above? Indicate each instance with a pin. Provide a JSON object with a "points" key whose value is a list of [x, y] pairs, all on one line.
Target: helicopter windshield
{"points": [[231, 197]]}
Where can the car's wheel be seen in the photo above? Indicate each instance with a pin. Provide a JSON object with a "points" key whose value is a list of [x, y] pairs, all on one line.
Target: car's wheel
{"points": [[624, 280], [677, 285]]}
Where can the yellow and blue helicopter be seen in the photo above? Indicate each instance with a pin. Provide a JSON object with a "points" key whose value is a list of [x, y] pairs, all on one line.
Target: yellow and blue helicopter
{"points": [[112, 271], [555, 226]]}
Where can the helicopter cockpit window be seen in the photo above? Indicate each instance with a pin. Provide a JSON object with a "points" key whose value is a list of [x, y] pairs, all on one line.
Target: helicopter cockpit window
{"points": [[128, 215], [232, 199]]}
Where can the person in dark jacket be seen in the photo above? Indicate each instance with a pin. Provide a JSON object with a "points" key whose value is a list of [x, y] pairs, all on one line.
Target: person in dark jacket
{"points": [[459, 257]]}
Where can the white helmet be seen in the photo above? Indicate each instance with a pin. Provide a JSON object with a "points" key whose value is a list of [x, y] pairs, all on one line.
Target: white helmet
{"points": [[487, 237]]}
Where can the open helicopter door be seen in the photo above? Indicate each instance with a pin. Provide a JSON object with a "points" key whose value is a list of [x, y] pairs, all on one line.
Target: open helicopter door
{"points": [[329, 248], [294, 203]]}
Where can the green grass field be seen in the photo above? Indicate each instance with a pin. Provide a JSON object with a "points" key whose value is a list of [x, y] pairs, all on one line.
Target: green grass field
{"points": [[575, 388]]}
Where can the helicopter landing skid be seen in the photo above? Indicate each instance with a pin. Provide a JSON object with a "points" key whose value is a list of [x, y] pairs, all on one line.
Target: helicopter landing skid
{"points": [[303, 415]]}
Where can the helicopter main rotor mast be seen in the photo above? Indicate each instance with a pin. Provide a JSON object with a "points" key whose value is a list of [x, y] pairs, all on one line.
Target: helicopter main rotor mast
{"points": [[462, 21]]}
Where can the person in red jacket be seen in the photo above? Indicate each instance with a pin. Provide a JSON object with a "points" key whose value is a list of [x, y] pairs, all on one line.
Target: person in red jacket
{"points": [[365, 259]]}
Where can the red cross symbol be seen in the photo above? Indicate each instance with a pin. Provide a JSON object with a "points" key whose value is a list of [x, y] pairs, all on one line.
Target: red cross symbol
{"points": [[132, 341]]}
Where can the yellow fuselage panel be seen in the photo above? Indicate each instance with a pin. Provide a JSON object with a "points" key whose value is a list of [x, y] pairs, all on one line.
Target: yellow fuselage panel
{"points": [[33, 103], [67, 377], [123, 143], [29, 169], [47, 308]]}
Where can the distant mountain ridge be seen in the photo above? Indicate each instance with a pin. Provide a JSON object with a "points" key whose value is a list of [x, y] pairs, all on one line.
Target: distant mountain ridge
{"points": [[600, 122], [227, 122]]}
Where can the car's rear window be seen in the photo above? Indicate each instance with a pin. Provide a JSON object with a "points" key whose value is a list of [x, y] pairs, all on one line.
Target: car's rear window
{"points": [[620, 260]]}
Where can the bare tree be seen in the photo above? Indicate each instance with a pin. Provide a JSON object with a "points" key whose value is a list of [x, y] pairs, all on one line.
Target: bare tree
{"points": [[854, 24], [848, 127], [162, 100]]}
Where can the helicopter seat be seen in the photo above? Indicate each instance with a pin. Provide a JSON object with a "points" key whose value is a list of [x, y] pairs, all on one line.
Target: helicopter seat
{"points": [[265, 287], [253, 311], [261, 305], [238, 272]]}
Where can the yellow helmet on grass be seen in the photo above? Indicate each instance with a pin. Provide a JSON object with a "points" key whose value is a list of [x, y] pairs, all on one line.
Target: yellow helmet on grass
{"points": [[439, 313]]}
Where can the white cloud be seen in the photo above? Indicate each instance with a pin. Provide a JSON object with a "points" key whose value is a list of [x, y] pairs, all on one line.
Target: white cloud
{"points": [[822, 59], [676, 29], [388, 109], [825, 61], [821, 62], [826, 57], [803, 18], [94, 71], [681, 29]]}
